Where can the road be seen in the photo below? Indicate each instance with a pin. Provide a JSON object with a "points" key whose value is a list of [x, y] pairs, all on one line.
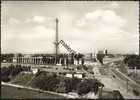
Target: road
{"points": [[105, 73], [120, 74], [123, 81], [124, 77]]}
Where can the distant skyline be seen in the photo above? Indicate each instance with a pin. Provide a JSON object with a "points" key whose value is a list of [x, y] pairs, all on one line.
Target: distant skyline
{"points": [[87, 26]]}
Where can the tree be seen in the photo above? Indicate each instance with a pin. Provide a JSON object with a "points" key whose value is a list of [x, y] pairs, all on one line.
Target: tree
{"points": [[106, 52], [78, 56], [83, 61], [100, 58], [19, 55], [7, 57], [132, 61], [44, 59]]}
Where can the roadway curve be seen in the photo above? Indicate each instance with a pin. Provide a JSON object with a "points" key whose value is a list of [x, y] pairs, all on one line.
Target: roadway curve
{"points": [[122, 77]]}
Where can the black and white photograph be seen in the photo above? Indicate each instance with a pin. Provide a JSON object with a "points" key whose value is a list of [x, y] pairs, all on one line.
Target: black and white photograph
{"points": [[70, 49]]}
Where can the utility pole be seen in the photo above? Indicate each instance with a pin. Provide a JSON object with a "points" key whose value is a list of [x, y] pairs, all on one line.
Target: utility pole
{"points": [[127, 85], [56, 40]]}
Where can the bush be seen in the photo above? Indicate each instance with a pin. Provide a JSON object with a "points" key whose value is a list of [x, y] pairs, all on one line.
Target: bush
{"points": [[71, 83], [52, 82], [11, 71], [61, 87], [68, 84], [84, 88], [46, 81], [38, 82], [110, 55], [5, 78], [136, 92], [22, 79], [88, 85], [85, 67], [5, 71]]}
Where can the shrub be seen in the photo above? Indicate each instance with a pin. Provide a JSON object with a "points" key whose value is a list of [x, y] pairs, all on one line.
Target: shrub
{"points": [[52, 82], [38, 82], [5, 78], [61, 87], [84, 88], [5, 71], [12, 70], [68, 84], [85, 67], [110, 55], [46, 81], [88, 85], [75, 82], [136, 92], [22, 79], [71, 83]]}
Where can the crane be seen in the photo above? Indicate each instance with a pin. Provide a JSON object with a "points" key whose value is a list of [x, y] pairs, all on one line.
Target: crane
{"points": [[67, 47]]}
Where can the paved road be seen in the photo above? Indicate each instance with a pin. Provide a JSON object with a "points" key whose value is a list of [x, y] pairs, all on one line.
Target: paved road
{"points": [[104, 73], [124, 77], [122, 81], [120, 74]]}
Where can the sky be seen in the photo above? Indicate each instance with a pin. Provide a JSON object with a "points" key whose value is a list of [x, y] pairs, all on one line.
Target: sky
{"points": [[86, 26]]}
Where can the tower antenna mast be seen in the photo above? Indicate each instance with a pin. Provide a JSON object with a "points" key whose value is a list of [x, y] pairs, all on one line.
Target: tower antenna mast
{"points": [[56, 38]]}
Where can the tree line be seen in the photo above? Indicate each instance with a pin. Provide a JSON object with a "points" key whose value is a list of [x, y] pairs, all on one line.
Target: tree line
{"points": [[8, 72], [132, 61], [46, 59]]}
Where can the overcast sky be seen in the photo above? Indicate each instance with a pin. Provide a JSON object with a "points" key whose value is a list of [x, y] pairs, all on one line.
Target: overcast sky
{"points": [[87, 26]]}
